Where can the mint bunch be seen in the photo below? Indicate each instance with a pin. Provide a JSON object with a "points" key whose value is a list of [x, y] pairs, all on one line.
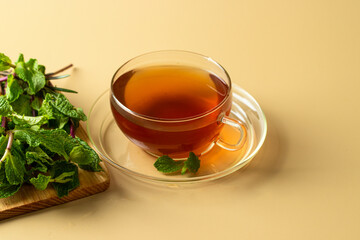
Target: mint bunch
{"points": [[38, 145]]}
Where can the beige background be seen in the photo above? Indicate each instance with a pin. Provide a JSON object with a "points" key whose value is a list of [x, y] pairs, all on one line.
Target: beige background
{"points": [[299, 59]]}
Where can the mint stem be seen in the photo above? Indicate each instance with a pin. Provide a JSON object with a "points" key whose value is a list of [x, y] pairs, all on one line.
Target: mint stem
{"points": [[3, 79], [3, 122], [62, 89], [58, 77], [72, 129], [11, 137], [3, 92], [58, 71], [8, 147]]}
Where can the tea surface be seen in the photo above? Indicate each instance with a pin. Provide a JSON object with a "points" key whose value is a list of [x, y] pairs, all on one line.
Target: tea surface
{"points": [[170, 92]]}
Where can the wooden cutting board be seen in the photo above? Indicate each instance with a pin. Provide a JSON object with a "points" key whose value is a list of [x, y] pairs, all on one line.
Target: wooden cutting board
{"points": [[28, 199]]}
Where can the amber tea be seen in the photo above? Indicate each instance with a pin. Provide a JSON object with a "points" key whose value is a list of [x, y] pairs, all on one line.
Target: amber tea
{"points": [[170, 109]]}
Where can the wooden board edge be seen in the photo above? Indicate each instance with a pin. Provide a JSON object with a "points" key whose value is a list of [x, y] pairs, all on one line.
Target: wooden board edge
{"points": [[54, 201]]}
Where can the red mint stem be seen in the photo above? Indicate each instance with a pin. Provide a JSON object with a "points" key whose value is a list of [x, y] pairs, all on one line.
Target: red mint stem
{"points": [[3, 122], [72, 130], [3, 92], [3, 79]]}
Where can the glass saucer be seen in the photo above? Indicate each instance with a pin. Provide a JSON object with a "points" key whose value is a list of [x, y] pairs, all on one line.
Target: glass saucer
{"points": [[117, 150]]}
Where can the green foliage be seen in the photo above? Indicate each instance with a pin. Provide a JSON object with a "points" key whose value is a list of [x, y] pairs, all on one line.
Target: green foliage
{"points": [[38, 159], [36, 103], [62, 104], [13, 89], [7, 190], [166, 164], [15, 165], [22, 105], [82, 154], [58, 107], [34, 147], [60, 167], [27, 121], [40, 182], [5, 62], [192, 164], [5, 107], [53, 140], [32, 73]]}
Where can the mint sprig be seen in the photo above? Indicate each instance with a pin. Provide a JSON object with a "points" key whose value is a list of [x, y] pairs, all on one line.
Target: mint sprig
{"points": [[38, 145], [32, 73], [166, 164]]}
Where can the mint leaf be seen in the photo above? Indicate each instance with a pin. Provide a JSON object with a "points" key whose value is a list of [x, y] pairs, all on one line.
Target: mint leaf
{"points": [[38, 159], [14, 169], [53, 140], [3, 144], [27, 121], [13, 89], [40, 182], [2, 173], [78, 155], [5, 107], [34, 154], [22, 105], [81, 153], [63, 105], [59, 102], [15, 165], [20, 58], [192, 164], [166, 164], [7, 190], [47, 109], [41, 68], [59, 168], [36, 104], [36, 165], [31, 73], [5, 62], [64, 177]]}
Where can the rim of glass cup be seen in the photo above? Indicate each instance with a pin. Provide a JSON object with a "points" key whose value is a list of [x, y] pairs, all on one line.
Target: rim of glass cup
{"points": [[154, 119]]}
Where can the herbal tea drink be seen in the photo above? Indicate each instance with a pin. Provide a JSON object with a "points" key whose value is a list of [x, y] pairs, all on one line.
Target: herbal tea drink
{"points": [[172, 107], [170, 92]]}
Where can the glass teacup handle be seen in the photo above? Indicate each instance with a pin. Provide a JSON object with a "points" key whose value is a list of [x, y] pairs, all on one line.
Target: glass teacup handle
{"points": [[237, 125]]}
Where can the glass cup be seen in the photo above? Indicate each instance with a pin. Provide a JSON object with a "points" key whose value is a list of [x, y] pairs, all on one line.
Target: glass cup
{"points": [[174, 135]]}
